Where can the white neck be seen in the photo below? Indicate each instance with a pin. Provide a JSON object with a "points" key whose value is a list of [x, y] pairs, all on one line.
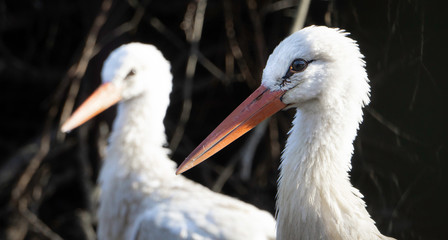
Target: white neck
{"points": [[315, 198], [136, 166], [137, 139]]}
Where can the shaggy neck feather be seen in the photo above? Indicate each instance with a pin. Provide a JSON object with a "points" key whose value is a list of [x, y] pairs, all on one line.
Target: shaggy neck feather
{"points": [[137, 139], [316, 161]]}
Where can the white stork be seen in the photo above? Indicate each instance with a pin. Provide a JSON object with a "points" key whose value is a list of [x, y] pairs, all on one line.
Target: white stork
{"points": [[320, 72], [141, 197]]}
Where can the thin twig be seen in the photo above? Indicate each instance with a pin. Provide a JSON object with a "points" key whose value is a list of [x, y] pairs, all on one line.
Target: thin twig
{"points": [[258, 33], [78, 70], [255, 137], [212, 68], [189, 73], [35, 162], [419, 71], [302, 12], [45, 141], [128, 26], [277, 6], [274, 142], [246, 154], [37, 224], [250, 147], [157, 24], [225, 174], [234, 45], [203, 60], [392, 127]]}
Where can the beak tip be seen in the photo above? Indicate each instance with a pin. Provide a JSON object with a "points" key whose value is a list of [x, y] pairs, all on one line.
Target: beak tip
{"points": [[261, 104], [182, 168], [104, 96], [65, 128]]}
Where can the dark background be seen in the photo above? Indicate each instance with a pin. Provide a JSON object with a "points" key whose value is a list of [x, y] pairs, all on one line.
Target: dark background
{"points": [[51, 54]]}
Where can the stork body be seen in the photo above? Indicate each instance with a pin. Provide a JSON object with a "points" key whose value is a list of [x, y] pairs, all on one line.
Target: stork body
{"points": [[141, 197], [320, 72]]}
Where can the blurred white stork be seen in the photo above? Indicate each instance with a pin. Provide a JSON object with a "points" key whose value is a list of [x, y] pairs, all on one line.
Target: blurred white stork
{"points": [[320, 72], [141, 197]]}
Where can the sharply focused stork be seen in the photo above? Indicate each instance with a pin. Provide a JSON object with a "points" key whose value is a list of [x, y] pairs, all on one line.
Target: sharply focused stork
{"points": [[141, 197], [320, 72]]}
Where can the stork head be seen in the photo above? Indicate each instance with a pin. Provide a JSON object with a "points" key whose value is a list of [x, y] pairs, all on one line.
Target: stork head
{"points": [[136, 69], [315, 64], [130, 71]]}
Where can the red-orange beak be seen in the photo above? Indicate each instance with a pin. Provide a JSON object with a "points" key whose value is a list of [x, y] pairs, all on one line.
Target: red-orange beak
{"points": [[260, 105], [104, 96]]}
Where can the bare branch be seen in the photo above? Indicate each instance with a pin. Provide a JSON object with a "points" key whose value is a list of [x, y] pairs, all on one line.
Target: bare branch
{"points": [[194, 39], [258, 33], [37, 224], [75, 72], [234, 45], [392, 127], [131, 25], [249, 148], [78, 70], [302, 12]]}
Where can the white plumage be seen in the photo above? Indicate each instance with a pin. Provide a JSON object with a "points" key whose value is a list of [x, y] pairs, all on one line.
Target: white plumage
{"points": [[315, 197], [320, 72], [141, 197]]}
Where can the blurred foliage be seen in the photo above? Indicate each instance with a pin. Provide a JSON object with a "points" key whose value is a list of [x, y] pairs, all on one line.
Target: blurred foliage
{"points": [[51, 53]]}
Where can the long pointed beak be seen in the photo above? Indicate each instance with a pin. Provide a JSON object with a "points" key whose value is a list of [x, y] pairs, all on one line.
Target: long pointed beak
{"points": [[104, 96], [260, 105]]}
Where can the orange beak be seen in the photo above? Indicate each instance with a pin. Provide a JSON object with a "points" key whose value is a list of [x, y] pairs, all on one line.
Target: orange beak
{"points": [[104, 96], [260, 105]]}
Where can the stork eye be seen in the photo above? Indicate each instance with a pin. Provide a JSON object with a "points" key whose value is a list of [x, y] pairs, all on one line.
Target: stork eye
{"points": [[130, 73], [298, 65]]}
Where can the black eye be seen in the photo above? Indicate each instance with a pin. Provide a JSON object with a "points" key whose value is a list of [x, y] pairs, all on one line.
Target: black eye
{"points": [[130, 73], [298, 65]]}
